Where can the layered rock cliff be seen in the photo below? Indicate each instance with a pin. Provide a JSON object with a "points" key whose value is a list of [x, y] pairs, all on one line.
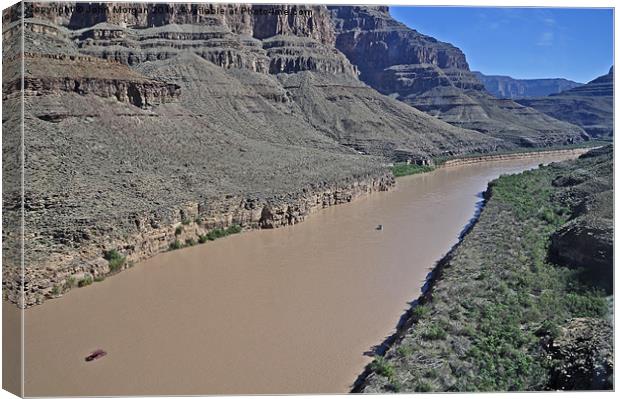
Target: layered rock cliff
{"points": [[48, 74], [507, 87], [434, 77], [134, 111], [590, 106]]}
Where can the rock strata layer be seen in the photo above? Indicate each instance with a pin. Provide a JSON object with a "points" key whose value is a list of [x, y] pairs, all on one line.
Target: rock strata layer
{"points": [[590, 106], [507, 87], [140, 235], [434, 77], [131, 116]]}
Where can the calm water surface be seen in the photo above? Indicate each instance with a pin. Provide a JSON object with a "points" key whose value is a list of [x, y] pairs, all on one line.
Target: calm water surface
{"points": [[291, 310]]}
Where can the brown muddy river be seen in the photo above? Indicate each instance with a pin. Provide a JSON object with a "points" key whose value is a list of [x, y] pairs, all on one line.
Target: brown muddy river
{"points": [[291, 310]]}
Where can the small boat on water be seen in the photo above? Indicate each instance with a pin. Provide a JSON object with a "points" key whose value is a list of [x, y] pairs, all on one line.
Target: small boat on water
{"points": [[99, 353], [380, 227]]}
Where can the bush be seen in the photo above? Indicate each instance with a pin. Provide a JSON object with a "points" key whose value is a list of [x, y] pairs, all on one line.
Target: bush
{"points": [[423, 387], [70, 282], [215, 234], [178, 231], [115, 260], [382, 367], [176, 245], [405, 350], [88, 280], [99, 279], [111, 254], [503, 299], [419, 312], [190, 242], [185, 222], [234, 229], [202, 239], [403, 169], [435, 332]]}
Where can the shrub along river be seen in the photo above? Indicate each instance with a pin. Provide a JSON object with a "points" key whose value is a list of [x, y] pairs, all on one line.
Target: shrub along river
{"points": [[291, 310]]}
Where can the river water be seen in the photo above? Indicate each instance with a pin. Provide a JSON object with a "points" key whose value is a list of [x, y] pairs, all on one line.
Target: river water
{"points": [[291, 310]]}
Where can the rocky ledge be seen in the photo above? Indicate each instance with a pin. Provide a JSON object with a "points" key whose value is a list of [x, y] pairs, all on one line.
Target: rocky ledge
{"points": [[508, 156], [83, 258], [53, 73], [584, 355]]}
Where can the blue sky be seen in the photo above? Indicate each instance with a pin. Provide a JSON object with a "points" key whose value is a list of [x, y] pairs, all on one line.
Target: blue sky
{"points": [[525, 43]]}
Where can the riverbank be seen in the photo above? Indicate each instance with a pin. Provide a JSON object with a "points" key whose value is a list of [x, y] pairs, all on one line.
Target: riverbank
{"points": [[187, 225], [314, 298], [403, 169], [497, 315], [151, 233], [509, 156]]}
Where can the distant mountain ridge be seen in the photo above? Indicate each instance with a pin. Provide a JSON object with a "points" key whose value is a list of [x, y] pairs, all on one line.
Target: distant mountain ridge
{"points": [[434, 77], [590, 106], [507, 87]]}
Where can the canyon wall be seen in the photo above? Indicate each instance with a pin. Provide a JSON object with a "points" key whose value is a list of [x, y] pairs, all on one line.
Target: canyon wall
{"points": [[140, 235], [590, 106], [140, 109], [434, 77], [507, 87]]}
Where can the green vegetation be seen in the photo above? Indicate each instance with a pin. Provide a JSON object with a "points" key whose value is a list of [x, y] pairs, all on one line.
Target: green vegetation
{"points": [[178, 231], [215, 234], [70, 282], [404, 169], [176, 244], [210, 236], [185, 222], [99, 279], [424, 387], [499, 300], [233, 229], [434, 332], [88, 280], [219, 233], [380, 366], [115, 260], [56, 290], [420, 311]]}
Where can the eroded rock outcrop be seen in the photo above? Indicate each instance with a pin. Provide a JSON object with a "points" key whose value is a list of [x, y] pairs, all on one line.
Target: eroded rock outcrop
{"points": [[140, 235], [586, 241], [434, 77], [583, 355], [53, 73], [590, 106]]}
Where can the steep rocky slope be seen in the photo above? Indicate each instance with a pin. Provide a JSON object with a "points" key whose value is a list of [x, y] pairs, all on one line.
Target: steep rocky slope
{"points": [[138, 124], [434, 77], [516, 305], [507, 87], [590, 106], [586, 240], [141, 117]]}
